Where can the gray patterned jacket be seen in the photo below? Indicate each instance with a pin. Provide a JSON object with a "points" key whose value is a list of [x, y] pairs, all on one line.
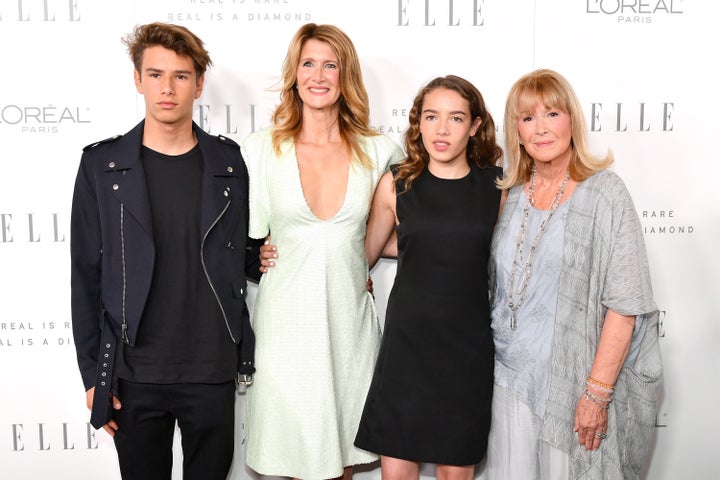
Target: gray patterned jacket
{"points": [[604, 267]]}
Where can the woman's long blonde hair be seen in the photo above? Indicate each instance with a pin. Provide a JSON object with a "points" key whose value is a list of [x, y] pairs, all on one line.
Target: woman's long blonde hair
{"points": [[353, 104]]}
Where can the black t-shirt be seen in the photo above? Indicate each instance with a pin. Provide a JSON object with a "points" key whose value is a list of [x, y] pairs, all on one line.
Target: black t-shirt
{"points": [[182, 337]]}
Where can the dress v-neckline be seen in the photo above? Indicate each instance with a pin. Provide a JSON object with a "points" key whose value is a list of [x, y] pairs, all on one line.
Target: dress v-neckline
{"points": [[293, 151]]}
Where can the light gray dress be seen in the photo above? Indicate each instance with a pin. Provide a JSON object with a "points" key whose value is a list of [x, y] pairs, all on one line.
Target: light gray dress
{"points": [[523, 354], [316, 327]]}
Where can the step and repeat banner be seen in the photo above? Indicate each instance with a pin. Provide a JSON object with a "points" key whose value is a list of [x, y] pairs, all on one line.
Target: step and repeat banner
{"points": [[643, 69]]}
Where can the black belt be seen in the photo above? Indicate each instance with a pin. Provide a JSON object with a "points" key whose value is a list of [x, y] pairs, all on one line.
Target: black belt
{"points": [[246, 355], [101, 412]]}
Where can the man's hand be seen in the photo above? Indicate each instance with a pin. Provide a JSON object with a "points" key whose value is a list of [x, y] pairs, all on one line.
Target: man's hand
{"points": [[110, 427]]}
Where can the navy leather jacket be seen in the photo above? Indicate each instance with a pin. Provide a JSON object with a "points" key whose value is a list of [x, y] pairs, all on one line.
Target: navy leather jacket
{"points": [[112, 249]]}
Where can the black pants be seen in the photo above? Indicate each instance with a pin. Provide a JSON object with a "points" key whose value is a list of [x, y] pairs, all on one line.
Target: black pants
{"points": [[205, 414]]}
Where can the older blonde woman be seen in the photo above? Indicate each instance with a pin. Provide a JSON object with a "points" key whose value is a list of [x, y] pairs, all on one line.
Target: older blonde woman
{"points": [[577, 362]]}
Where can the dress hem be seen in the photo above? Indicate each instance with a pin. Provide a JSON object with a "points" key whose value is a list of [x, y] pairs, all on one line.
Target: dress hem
{"points": [[273, 473]]}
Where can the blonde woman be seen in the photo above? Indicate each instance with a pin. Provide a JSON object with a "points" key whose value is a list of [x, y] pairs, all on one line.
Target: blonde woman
{"points": [[312, 177], [577, 362]]}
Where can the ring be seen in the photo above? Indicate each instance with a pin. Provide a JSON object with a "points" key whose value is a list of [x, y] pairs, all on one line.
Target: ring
{"points": [[603, 436]]}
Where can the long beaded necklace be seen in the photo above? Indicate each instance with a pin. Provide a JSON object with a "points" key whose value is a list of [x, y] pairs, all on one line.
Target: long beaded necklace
{"points": [[518, 260]]}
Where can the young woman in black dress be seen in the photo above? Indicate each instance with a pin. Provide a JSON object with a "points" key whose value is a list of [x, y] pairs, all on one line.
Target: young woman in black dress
{"points": [[432, 387]]}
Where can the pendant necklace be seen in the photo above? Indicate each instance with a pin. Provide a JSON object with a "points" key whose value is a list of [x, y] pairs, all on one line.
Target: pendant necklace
{"points": [[516, 297]]}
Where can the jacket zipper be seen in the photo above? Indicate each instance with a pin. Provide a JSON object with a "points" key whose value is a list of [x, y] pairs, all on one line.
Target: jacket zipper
{"points": [[229, 243], [207, 275], [124, 275]]}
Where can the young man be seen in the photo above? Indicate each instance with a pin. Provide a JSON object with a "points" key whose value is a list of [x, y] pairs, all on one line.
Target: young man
{"points": [[159, 261]]}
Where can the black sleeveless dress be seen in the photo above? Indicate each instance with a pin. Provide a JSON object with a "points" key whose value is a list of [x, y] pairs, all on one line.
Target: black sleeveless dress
{"points": [[430, 397]]}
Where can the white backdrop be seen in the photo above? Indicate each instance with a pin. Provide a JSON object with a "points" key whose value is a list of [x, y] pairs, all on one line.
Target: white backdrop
{"points": [[643, 69]]}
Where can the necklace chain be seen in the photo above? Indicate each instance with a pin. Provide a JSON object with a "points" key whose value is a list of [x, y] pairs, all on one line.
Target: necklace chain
{"points": [[516, 298]]}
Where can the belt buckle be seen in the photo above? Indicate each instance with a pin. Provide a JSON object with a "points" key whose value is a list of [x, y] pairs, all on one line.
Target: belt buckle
{"points": [[245, 379]]}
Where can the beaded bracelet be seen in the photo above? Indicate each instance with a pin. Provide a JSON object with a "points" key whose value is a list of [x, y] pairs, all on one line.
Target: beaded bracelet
{"points": [[599, 399], [602, 389], [598, 383], [603, 403]]}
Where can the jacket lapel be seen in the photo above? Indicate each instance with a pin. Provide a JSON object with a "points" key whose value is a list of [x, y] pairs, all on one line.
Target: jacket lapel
{"points": [[129, 185], [216, 193]]}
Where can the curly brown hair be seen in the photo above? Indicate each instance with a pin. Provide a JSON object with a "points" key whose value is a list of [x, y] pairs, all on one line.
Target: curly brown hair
{"points": [[482, 147]]}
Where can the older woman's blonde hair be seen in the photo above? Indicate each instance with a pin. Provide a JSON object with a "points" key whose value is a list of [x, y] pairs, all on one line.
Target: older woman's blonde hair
{"points": [[551, 90], [353, 105]]}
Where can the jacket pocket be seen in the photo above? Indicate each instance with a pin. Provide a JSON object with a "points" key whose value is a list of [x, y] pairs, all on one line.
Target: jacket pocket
{"points": [[239, 288]]}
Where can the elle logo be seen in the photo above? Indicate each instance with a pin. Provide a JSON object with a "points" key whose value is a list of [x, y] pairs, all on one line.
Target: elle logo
{"points": [[457, 12], [50, 437], [224, 119], [639, 116], [43, 10]]}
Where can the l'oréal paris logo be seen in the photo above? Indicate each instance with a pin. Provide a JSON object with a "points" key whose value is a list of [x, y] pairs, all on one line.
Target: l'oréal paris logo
{"points": [[40, 11], [634, 11], [440, 13], [41, 118]]}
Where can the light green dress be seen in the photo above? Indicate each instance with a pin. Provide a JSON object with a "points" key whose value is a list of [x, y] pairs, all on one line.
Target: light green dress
{"points": [[316, 326]]}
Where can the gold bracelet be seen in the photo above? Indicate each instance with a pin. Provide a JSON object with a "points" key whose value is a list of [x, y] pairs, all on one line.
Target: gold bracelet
{"points": [[600, 384]]}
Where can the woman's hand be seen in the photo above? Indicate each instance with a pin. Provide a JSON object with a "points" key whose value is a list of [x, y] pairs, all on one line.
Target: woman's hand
{"points": [[591, 421], [591, 416], [268, 255], [369, 287]]}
